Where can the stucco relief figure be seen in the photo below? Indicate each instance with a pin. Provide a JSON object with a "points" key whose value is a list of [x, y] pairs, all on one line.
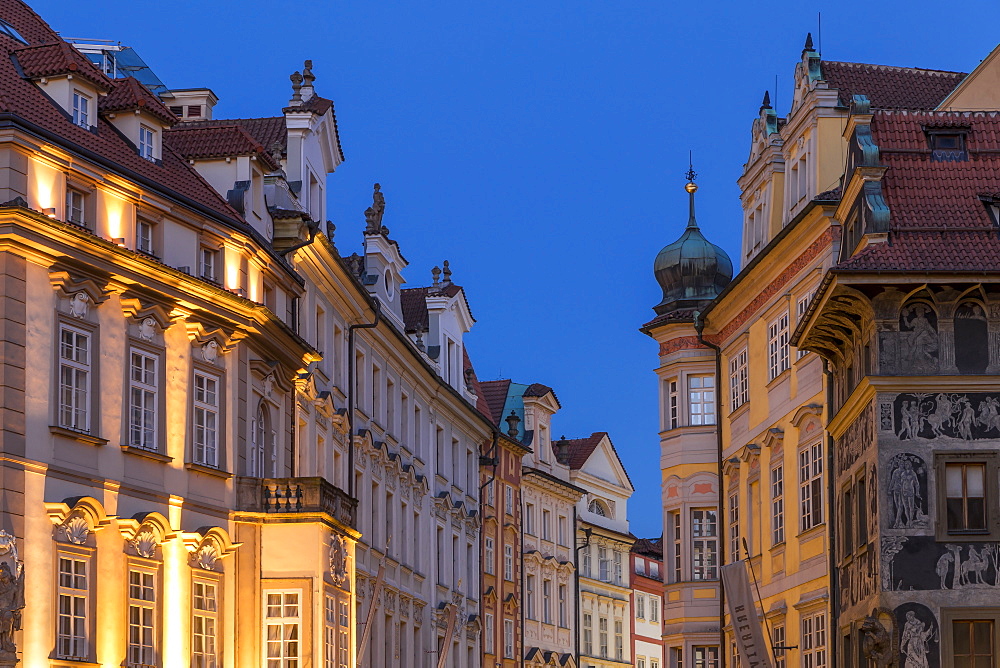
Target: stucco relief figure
{"points": [[914, 641], [11, 595], [906, 493], [79, 305], [922, 337], [147, 329], [210, 352]]}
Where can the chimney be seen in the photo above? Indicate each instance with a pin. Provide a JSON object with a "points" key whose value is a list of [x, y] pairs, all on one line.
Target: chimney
{"points": [[190, 104]]}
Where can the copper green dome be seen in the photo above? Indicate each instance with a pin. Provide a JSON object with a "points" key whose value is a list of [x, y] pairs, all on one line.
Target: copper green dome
{"points": [[692, 271]]}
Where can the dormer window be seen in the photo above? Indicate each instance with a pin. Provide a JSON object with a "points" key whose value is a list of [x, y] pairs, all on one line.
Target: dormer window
{"points": [[75, 201], [947, 144], [144, 237], [146, 142], [81, 109]]}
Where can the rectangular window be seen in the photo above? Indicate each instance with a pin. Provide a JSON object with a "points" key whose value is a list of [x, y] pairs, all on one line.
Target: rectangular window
{"points": [[81, 110], [547, 601], [206, 419], [491, 493], [640, 662], [739, 380], [146, 142], [529, 519], [640, 567], [529, 597], [489, 556], [704, 545], [654, 570], [847, 532], [778, 505], [144, 237], [586, 563], [811, 486], [801, 306], [330, 632], [777, 346], [282, 629], [508, 563], [701, 399], [546, 522], [654, 609], [675, 547], [143, 390], [861, 501], [706, 657], [676, 657], [602, 632], [619, 640], [508, 499], [734, 527], [603, 564], [778, 635], [74, 591], [488, 634], [562, 607], [672, 405], [617, 555], [814, 641], [345, 635], [208, 264], [204, 625], [588, 634], [974, 642], [654, 663], [508, 638], [562, 530], [965, 490], [74, 379], [75, 207], [141, 618], [640, 606]]}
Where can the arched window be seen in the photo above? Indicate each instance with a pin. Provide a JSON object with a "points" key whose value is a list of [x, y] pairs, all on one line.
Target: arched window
{"points": [[972, 354], [598, 508], [261, 456]]}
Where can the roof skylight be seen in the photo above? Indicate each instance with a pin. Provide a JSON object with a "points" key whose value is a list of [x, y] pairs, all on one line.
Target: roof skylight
{"points": [[8, 30]]}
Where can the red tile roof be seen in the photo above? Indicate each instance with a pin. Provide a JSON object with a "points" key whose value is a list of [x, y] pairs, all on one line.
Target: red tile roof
{"points": [[22, 98], [481, 404], [494, 393], [537, 390], [414, 302], [937, 220], [56, 57], [217, 141], [268, 132], [580, 449], [890, 87], [650, 547], [128, 94]]}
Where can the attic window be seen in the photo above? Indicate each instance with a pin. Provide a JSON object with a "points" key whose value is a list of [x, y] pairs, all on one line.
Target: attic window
{"points": [[8, 29], [947, 144]]}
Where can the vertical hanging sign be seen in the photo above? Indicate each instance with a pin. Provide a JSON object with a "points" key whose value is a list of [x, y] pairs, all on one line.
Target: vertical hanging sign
{"points": [[743, 612]]}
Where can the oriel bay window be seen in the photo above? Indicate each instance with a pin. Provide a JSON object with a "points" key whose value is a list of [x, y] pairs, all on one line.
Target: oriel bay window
{"points": [[704, 545], [282, 629], [967, 499], [701, 400]]}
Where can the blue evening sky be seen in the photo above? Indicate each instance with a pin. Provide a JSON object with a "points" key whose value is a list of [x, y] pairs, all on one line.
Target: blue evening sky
{"points": [[540, 146]]}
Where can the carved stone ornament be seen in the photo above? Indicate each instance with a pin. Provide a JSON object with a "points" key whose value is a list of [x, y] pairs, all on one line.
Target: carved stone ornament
{"points": [[11, 597], [210, 351], [338, 560], [268, 385], [79, 305], [206, 557], [76, 529], [877, 644], [147, 329], [145, 543]]}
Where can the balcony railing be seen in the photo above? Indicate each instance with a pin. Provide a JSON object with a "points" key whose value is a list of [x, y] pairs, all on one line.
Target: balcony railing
{"points": [[296, 495]]}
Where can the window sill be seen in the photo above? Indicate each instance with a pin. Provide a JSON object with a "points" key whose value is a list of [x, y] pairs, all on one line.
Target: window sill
{"points": [[739, 410], [811, 532], [147, 454], [780, 377], [78, 663], [981, 537], [208, 470], [80, 436]]}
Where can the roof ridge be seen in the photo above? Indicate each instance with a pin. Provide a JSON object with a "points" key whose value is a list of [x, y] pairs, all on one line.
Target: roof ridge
{"points": [[901, 68]]}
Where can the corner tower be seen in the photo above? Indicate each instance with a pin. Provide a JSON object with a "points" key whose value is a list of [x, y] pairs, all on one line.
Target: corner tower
{"points": [[691, 272]]}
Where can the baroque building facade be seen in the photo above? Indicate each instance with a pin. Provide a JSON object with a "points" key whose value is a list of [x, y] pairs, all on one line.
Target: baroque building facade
{"points": [[646, 566]]}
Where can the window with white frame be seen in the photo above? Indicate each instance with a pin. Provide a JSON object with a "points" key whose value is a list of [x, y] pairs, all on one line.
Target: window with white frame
{"points": [[261, 454], [704, 545], [778, 637], [640, 662], [146, 142], [562, 607], [701, 399], [206, 419], [282, 629], [588, 634], [74, 378], [490, 555], [617, 556], [141, 618], [508, 563], [488, 639], [619, 640], [74, 606], [529, 519], [508, 638], [144, 236], [603, 564], [208, 264], [76, 203], [811, 485], [585, 569], [345, 635], [778, 505], [491, 492], [654, 609], [547, 601], [143, 399], [602, 633], [508, 499], [672, 407], [81, 109], [654, 663], [734, 527], [204, 624], [529, 597], [706, 656], [640, 606], [814, 641], [546, 525], [330, 632], [675, 546], [561, 537], [801, 306], [654, 569], [777, 346], [739, 380]]}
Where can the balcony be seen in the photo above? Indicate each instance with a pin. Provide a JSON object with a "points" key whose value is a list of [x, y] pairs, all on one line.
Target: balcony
{"points": [[295, 495]]}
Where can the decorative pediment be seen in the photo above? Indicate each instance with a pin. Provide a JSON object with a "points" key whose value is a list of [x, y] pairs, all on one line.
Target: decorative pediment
{"points": [[77, 519], [144, 533], [731, 467], [139, 309], [510, 604], [208, 546], [69, 282], [804, 411], [211, 341], [273, 377]]}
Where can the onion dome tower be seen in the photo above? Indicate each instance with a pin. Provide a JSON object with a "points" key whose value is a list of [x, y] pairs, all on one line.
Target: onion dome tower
{"points": [[692, 271]]}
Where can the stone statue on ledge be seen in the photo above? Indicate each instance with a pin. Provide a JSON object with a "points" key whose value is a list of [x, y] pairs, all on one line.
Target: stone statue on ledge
{"points": [[11, 598]]}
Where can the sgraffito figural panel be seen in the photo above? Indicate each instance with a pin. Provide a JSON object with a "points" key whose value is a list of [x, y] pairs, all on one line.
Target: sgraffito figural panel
{"points": [[968, 416]]}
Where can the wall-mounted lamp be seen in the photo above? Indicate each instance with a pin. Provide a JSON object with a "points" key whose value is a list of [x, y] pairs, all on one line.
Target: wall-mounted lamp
{"points": [[50, 212], [119, 241]]}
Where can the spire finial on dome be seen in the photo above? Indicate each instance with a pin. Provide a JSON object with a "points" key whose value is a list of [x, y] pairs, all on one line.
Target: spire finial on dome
{"points": [[691, 187]]}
